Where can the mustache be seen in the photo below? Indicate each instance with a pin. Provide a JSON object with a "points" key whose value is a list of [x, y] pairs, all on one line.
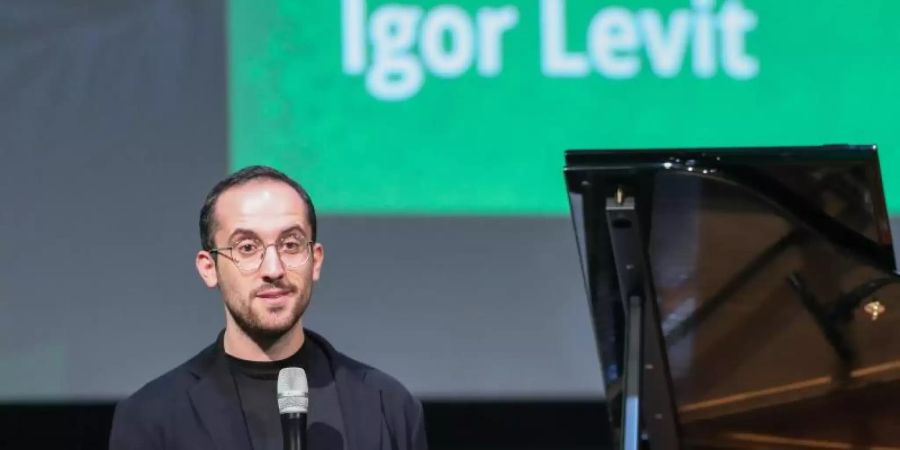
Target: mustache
{"points": [[281, 285]]}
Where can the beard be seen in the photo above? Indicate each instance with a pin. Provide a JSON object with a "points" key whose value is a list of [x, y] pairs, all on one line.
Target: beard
{"points": [[252, 321]]}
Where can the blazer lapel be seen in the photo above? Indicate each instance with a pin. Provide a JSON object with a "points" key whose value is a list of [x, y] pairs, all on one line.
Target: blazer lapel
{"points": [[361, 405], [216, 402], [361, 409]]}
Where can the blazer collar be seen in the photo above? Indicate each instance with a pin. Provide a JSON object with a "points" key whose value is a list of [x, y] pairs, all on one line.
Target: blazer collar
{"points": [[215, 399], [216, 402]]}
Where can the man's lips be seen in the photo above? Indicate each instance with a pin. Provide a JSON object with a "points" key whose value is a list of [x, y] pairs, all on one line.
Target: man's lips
{"points": [[273, 293]]}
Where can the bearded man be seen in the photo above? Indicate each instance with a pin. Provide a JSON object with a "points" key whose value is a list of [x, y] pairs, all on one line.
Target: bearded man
{"points": [[259, 249]]}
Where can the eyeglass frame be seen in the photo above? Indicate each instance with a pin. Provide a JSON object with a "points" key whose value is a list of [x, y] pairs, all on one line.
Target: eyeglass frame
{"points": [[265, 249]]}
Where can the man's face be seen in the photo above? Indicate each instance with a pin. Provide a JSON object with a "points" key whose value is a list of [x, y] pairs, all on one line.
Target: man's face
{"points": [[268, 302]]}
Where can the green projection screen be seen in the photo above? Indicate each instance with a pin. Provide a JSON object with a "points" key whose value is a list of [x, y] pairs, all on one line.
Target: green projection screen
{"points": [[465, 107]]}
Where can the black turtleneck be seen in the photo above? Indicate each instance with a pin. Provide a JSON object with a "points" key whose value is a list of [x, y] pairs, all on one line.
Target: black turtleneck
{"points": [[256, 383]]}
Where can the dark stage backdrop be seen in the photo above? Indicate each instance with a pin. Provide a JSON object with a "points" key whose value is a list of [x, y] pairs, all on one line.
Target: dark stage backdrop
{"points": [[450, 265]]}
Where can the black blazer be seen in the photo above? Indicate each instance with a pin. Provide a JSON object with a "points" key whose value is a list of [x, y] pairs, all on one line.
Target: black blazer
{"points": [[195, 407]]}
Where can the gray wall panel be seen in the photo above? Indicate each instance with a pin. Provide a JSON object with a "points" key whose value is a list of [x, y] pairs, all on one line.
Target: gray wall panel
{"points": [[113, 126], [461, 307]]}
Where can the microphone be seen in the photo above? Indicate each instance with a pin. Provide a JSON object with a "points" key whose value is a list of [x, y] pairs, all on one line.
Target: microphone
{"points": [[293, 404]]}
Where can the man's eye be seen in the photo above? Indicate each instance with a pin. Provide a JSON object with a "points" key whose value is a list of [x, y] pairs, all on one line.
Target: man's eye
{"points": [[247, 248], [291, 246]]}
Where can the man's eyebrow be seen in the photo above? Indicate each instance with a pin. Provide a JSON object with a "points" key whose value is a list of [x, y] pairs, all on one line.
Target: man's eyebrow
{"points": [[245, 232], [295, 228], [241, 232]]}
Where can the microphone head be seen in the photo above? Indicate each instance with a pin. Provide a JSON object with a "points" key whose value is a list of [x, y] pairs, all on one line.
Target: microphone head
{"points": [[293, 391]]}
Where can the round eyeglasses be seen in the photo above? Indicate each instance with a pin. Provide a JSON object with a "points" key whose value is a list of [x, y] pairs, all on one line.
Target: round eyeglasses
{"points": [[248, 254]]}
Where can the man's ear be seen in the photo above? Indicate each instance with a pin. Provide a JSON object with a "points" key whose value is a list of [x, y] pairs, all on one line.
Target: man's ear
{"points": [[318, 257], [206, 267]]}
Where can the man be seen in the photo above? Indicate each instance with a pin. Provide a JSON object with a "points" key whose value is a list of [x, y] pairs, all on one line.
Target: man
{"points": [[258, 232]]}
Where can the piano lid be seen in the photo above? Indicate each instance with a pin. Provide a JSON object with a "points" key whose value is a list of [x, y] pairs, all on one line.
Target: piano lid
{"points": [[775, 284]]}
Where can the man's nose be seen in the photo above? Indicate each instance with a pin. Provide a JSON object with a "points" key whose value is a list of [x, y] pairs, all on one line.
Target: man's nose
{"points": [[271, 267]]}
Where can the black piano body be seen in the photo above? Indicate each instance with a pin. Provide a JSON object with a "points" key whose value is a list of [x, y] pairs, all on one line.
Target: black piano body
{"points": [[772, 313]]}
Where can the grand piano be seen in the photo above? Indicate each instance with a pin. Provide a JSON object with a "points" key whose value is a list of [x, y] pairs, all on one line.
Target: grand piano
{"points": [[741, 297]]}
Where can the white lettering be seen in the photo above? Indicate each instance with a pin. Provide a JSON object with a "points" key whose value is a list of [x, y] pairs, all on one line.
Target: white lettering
{"points": [[395, 73], [353, 36], [704, 54], [735, 21], [665, 50], [612, 40], [407, 42], [454, 22], [555, 60], [492, 23]]}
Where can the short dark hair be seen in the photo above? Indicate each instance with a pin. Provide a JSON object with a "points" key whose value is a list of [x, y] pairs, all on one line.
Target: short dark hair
{"points": [[241, 177]]}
